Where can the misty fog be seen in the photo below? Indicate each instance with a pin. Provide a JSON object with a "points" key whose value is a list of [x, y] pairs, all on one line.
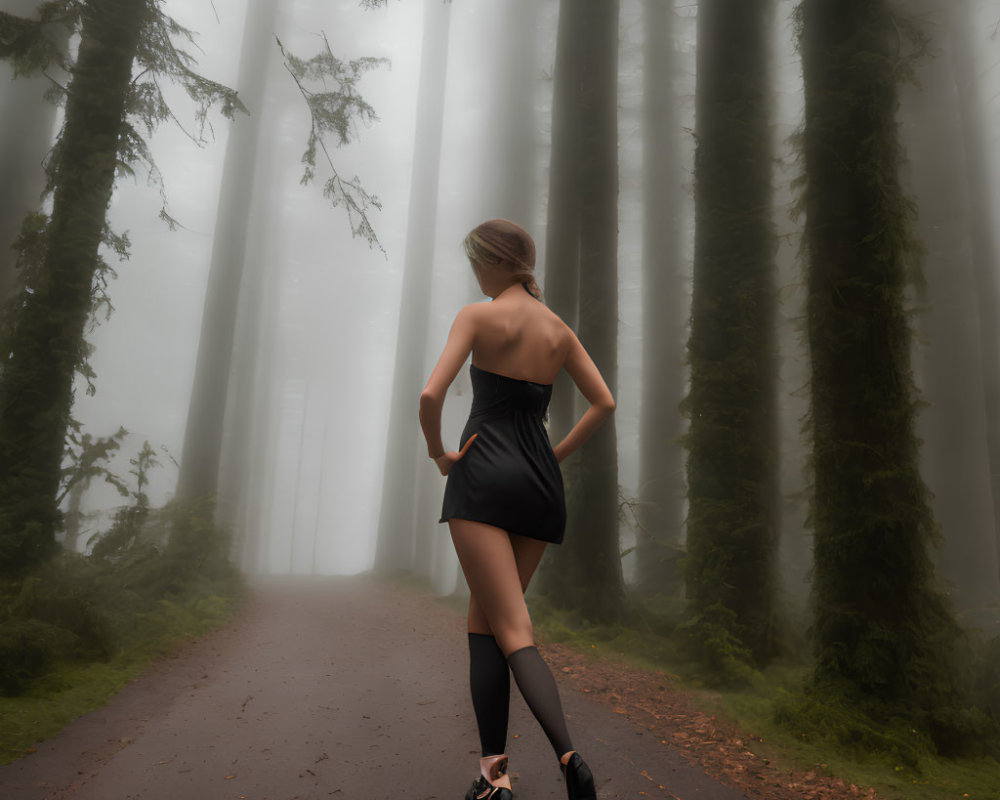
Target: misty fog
{"points": [[323, 343]]}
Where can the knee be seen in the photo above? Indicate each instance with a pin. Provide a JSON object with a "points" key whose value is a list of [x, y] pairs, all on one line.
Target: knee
{"points": [[514, 635]]}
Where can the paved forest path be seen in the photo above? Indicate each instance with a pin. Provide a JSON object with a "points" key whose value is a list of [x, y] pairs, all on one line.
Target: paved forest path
{"points": [[345, 688]]}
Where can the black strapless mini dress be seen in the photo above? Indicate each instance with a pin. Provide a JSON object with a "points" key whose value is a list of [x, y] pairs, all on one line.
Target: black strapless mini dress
{"points": [[509, 476]]}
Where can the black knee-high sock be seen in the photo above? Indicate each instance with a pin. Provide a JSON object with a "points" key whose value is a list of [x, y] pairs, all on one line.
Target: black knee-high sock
{"points": [[538, 687], [489, 679]]}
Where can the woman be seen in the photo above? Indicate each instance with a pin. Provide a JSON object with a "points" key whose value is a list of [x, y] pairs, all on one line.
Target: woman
{"points": [[504, 497]]}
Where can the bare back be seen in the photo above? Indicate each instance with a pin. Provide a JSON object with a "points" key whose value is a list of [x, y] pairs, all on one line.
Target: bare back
{"points": [[518, 336]]}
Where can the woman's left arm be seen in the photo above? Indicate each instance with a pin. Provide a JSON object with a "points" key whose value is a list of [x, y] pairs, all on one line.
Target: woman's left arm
{"points": [[460, 340]]}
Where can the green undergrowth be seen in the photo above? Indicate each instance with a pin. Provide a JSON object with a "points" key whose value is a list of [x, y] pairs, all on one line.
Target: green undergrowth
{"points": [[647, 649], [798, 729], [76, 629], [781, 721], [70, 689]]}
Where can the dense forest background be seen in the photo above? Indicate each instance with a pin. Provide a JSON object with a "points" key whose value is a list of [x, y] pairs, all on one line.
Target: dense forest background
{"points": [[771, 222]]}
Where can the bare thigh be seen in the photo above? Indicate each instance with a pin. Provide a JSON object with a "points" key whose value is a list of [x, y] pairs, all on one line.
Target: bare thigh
{"points": [[498, 567]]}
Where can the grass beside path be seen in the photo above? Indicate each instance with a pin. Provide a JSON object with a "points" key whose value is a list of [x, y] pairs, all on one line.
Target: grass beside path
{"points": [[733, 734], [72, 689], [736, 733]]}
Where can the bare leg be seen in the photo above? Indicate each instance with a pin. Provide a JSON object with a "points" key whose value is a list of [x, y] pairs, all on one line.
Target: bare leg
{"points": [[527, 555], [489, 674], [487, 556]]}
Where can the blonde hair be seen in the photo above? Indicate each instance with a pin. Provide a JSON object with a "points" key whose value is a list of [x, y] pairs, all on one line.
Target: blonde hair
{"points": [[505, 245]]}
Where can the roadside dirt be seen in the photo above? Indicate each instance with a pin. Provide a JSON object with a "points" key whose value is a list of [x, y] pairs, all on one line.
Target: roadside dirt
{"points": [[656, 702], [354, 688], [345, 688]]}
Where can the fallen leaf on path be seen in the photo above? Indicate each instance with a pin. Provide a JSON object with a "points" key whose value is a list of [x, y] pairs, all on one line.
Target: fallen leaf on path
{"points": [[669, 712]]}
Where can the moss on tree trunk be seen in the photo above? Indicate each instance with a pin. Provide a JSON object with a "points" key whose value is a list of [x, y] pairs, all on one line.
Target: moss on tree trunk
{"points": [[878, 621], [731, 469], [46, 344]]}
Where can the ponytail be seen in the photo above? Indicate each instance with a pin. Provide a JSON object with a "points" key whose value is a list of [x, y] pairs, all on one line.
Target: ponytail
{"points": [[505, 245]]}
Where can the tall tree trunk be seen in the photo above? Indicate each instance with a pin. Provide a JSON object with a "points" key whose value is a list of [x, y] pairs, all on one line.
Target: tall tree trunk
{"points": [[247, 452], [394, 549], [515, 106], [661, 465], [955, 458], [731, 462], [22, 149], [247, 491], [794, 557], [199, 470], [36, 388], [594, 542], [253, 513], [985, 256], [585, 573], [562, 240], [877, 618]]}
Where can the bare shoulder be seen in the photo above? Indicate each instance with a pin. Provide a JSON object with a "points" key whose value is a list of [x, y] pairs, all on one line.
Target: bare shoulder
{"points": [[469, 311], [469, 314], [564, 332]]}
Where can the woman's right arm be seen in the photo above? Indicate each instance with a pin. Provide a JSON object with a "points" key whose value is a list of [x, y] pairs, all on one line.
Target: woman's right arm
{"points": [[587, 377], [456, 351]]}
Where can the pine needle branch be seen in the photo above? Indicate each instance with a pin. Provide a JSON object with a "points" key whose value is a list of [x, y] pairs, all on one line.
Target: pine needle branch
{"points": [[336, 110]]}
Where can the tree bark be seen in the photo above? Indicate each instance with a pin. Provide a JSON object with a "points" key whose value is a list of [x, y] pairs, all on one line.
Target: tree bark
{"points": [[562, 241], [732, 441], [46, 345], [877, 619], [586, 572], [661, 464]]}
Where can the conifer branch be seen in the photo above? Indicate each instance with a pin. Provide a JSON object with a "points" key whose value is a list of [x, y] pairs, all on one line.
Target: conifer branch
{"points": [[336, 111]]}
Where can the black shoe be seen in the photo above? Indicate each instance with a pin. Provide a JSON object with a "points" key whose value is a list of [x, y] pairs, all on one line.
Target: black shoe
{"points": [[579, 781], [484, 790]]}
